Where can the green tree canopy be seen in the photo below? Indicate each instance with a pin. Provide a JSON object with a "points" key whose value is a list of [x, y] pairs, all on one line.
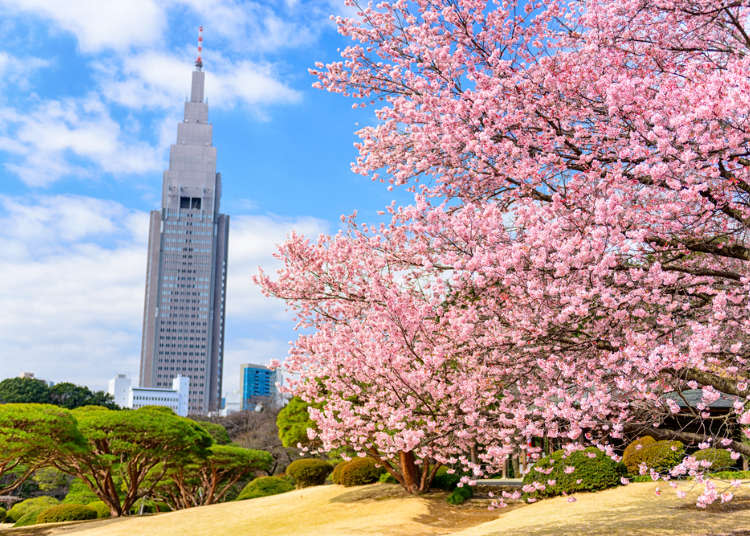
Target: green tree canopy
{"points": [[31, 435], [208, 480], [133, 445], [24, 391], [293, 421], [217, 431], [71, 396]]}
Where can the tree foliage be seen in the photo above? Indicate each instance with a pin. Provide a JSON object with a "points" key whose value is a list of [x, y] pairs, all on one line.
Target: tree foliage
{"points": [[208, 480], [131, 446], [578, 244], [293, 421], [31, 435], [66, 395]]}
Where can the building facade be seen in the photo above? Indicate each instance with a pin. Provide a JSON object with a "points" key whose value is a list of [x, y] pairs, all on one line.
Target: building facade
{"points": [[258, 385], [183, 320], [127, 396]]}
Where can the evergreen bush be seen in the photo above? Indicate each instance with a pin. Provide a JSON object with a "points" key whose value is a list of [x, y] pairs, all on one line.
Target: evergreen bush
{"points": [[460, 495], [445, 480], [593, 470], [660, 456], [101, 509], [2, 514], [336, 473], [309, 472], [387, 478], [721, 459], [360, 471], [79, 493], [36, 503], [631, 456], [66, 512], [264, 486]]}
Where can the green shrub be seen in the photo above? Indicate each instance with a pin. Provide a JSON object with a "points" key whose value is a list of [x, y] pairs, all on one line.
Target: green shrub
{"points": [[66, 512], [445, 480], [36, 503], [387, 478], [101, 509], [309, 472], [360, 471], [631, 456], [460, 495], [2, 514], [336, 473], [594, 470], [731, 475], [264, 486], [79, 493], [660, 456], [721, 458]]}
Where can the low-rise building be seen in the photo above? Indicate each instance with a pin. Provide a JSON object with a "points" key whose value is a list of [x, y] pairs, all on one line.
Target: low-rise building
{"points": [[127, 396]]}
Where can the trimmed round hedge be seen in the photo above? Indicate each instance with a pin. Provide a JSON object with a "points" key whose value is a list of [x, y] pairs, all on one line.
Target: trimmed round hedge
{"points": [[660, 456], [264, 486], [336, 473], [30, 506], [309, 472], [460, 495], [593, 470], [631, 456], [360, 471], [101, 509], [721, 459], [66, 512], [2, 514]]}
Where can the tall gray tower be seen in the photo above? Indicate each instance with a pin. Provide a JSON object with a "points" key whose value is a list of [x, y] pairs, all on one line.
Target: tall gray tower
{"points": [[183, 319]]}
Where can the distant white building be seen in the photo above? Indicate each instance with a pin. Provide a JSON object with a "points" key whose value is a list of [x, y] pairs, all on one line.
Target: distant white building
{"points": [[127, 396]]}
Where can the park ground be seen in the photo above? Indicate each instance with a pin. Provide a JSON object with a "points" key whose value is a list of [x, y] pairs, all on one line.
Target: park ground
{"points": [[383, 509]]}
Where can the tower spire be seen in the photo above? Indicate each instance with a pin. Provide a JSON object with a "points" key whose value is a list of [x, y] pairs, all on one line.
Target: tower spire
{"points": [[199, 60]]}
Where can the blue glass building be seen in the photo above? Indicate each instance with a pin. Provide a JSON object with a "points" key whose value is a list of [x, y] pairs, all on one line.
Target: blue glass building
{"points": [[258, 382]]}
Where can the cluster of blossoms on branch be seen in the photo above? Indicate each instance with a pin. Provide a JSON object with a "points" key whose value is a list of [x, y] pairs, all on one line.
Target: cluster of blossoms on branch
{"points": [[577, 253]]}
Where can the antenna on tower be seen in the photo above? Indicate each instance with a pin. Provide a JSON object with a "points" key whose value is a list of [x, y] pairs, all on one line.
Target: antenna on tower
{"points": [[199, 60]]}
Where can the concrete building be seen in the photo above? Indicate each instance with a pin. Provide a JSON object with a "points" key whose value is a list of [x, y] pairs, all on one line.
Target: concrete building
{"points": [[258, 385], [127, 396], [183, 320]]}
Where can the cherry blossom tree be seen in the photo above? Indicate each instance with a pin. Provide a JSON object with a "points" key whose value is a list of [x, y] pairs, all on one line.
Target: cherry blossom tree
{"points": [[577, 254]]}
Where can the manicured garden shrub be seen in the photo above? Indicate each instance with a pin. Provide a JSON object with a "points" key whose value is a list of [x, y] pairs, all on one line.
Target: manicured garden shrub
{"points": [[731, 475], [387, 478], [66, 512], [22, 508], [660, 456], [721, 459], [2, 514], [460, 495], [264, 486], [360, 471], [593, 470], [101, 509], [631, 456], [445, 480], [336, 473], [309, 472]]}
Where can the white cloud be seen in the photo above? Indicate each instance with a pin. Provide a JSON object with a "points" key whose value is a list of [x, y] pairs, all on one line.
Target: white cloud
{"points": [[49, 138], [99, 25], [160, 80], [72, 285], [17, 70]]}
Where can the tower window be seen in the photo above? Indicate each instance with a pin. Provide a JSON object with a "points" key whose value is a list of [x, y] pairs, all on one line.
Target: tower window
{"points": [[196, 203], [184, 202]]}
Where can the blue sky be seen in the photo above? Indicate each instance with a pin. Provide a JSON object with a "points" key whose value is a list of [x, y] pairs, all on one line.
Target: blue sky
{"points": [[91, 96]]}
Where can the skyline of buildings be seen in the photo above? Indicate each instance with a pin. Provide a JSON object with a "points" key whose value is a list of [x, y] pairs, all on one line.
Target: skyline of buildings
{"points": [[184, 306]]}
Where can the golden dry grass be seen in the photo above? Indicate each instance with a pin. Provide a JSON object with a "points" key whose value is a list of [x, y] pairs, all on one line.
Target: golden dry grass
{"points": [[378, 509]]}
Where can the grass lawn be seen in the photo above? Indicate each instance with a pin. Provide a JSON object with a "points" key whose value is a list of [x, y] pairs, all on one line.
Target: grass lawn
{"points": [[383, 509]]}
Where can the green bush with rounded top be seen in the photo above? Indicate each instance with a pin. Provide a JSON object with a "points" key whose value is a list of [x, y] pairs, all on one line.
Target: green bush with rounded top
{"points": [[592, 470], [309, 472], [360, 471], [264, 486], [66, 512], [721, 459]]}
